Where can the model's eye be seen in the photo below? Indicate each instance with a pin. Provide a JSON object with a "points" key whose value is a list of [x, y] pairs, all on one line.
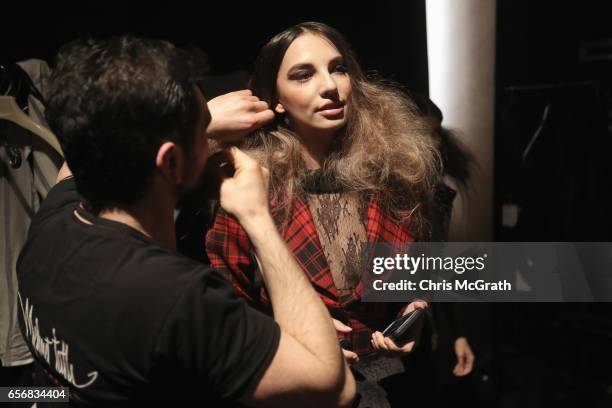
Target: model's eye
{"points": [[301, 75], [341, 68]]}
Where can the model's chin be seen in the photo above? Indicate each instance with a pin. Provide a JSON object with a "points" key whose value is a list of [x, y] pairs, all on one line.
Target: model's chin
{"points": [[319, 124], [326, 131]]}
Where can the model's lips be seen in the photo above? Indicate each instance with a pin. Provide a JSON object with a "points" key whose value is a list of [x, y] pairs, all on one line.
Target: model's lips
{"points": [[332, 109], [331, 105]]}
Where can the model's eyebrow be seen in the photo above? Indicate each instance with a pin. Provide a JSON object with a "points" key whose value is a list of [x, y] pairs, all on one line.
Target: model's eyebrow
{"points": [[307, 65], [298, 66], [337, 60]]}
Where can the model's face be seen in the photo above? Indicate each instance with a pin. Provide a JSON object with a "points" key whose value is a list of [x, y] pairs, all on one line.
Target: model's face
{"points": [[313, 86]]}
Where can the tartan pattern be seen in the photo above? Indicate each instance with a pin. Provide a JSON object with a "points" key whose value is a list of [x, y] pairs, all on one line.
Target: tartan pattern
{"points": [[230, 251]]}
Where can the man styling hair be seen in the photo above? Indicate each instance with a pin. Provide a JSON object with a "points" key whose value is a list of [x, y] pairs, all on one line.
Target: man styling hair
{"points": [[108, 307]]}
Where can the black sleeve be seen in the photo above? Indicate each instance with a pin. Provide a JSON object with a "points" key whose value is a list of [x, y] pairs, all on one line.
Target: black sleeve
{"points": [[63, 194], [460, 318], [218, 339], [445, 321], [457, 316]]}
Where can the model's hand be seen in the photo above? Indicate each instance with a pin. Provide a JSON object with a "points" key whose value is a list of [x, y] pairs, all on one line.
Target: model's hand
{"points": [[465, 357], [349, 356], [387, 346], [235, 115]]}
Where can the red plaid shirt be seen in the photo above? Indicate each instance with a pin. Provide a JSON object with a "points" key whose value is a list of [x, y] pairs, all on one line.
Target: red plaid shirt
{"points": [[230, 250]]}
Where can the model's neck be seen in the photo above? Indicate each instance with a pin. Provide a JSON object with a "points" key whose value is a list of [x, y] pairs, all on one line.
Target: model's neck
{"points": [[315, 147]]}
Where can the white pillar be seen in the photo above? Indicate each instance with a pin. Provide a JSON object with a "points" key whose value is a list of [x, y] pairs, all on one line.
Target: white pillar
{"points": [[461, 56]]}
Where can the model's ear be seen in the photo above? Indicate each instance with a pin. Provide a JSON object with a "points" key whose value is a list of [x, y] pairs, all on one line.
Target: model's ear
{"points": [[169, 161], [279, 108]]}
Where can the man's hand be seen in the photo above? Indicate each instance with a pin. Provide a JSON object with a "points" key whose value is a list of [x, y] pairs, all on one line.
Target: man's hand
{"points": [[235, 115], [387, 346], [349, 356], [465, 357], [245, 193]]}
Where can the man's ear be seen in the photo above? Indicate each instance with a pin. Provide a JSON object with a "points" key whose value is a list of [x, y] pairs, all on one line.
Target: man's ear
{"points": [[169, 161], [279, 108]]}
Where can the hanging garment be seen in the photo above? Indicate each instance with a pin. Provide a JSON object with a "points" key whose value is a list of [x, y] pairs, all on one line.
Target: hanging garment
{"points": [[28, 168]]}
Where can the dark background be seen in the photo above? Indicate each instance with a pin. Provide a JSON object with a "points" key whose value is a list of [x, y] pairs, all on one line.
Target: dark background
{"points": [[537, 41], [529, 355], [389, 37]]}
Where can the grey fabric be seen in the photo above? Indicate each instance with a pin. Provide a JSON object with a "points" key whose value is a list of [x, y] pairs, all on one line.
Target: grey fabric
{"points": [[21, 191], [370, 371]]}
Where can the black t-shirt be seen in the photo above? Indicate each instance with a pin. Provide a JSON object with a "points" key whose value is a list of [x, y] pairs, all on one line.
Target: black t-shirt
{"points": [[121, 320]]}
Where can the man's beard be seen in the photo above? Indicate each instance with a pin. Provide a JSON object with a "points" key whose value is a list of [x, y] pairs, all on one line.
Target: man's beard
{"points": [[192, 180]]}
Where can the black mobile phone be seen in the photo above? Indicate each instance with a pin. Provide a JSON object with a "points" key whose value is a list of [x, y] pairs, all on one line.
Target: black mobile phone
{"points": [[405, 328]]}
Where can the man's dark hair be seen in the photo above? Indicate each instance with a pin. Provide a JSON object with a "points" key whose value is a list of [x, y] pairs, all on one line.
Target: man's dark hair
{"points": [[112, 103]]}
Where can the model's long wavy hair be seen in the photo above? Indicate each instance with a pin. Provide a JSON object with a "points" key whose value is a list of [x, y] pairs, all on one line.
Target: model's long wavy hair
{"points": [[385, 149]]}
